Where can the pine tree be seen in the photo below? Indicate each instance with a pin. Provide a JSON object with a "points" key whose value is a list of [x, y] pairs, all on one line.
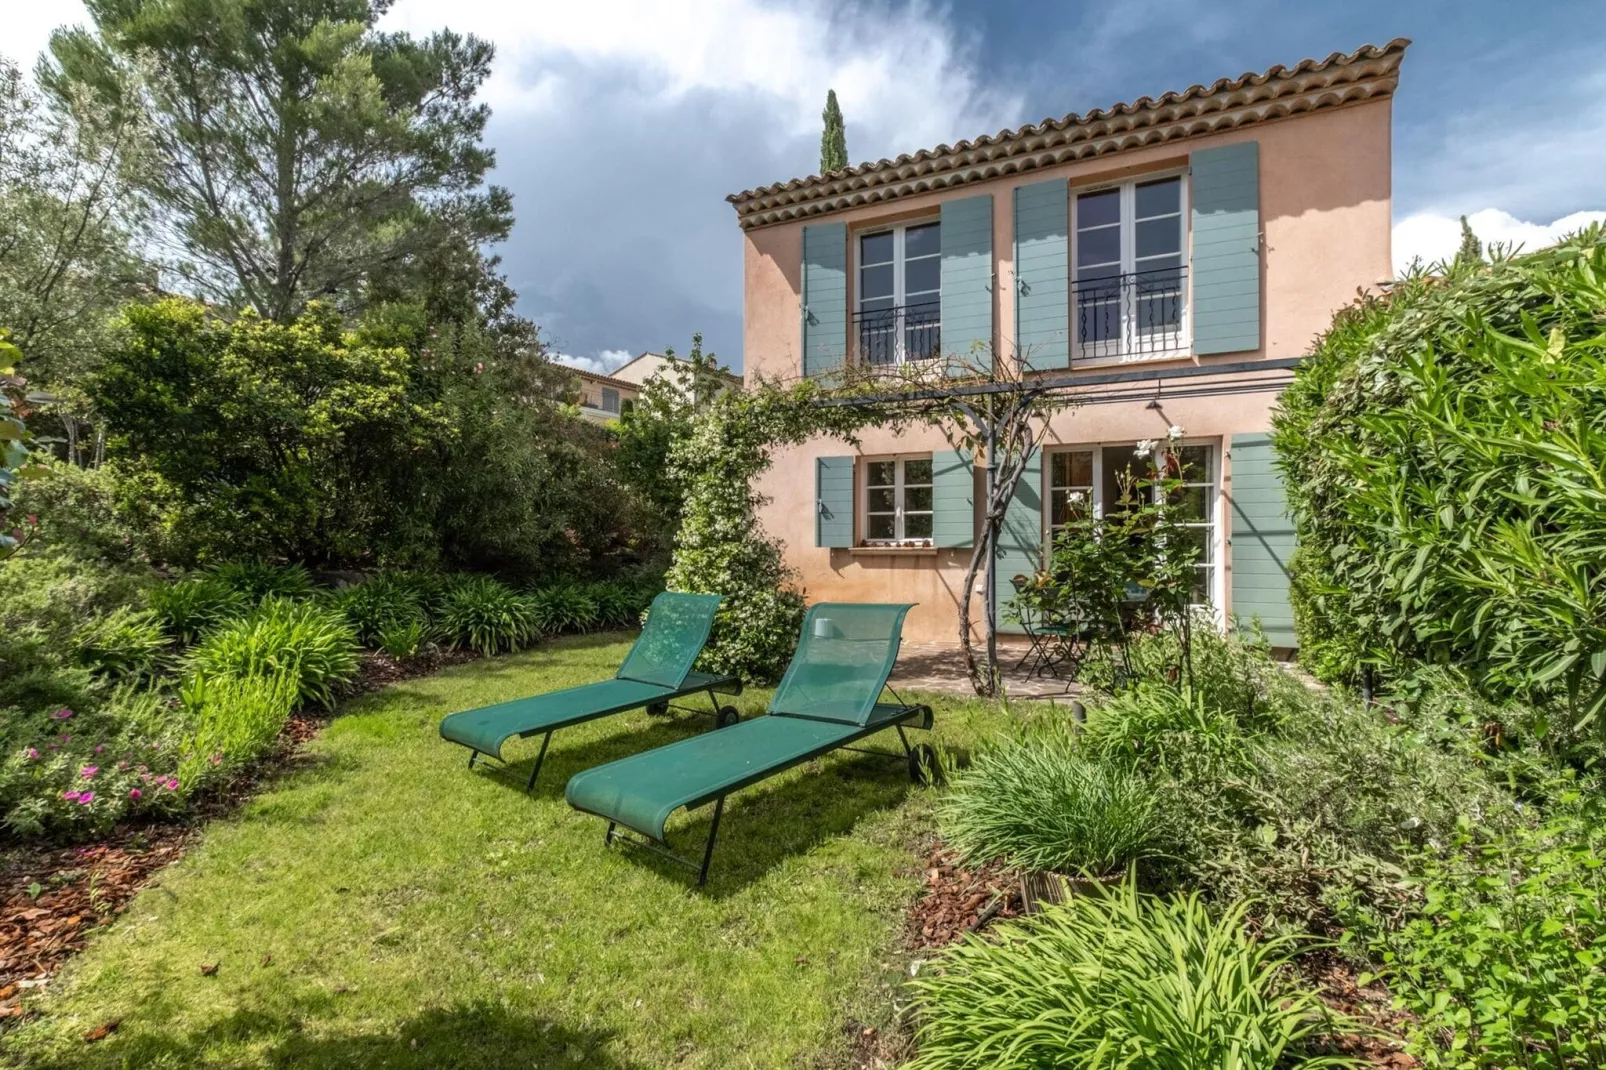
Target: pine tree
{"points": [[1471, 250], [834, 141]]}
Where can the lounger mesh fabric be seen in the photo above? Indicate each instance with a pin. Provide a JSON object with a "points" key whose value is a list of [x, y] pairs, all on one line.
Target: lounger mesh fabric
{"points": [[677, 627], [843, 659]]}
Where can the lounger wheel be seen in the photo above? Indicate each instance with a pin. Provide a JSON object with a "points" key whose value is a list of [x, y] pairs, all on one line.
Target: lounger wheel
{"points": [[923, 767], [726, 717], [657, 709]]}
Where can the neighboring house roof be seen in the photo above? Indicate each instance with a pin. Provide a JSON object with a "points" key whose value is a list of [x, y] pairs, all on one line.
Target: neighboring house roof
{"points": [[605, 380], [734, 380], [1368, 72]]}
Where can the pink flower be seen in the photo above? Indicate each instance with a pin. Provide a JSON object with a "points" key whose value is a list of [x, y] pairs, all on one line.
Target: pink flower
{"points": [[33, 753], [122, 765], [217, 759], [171, 783], [99, 747], [51, 747], [86, 798], [62, 714], [70, 796], [88, 772], [66, 737], [133, 793]]}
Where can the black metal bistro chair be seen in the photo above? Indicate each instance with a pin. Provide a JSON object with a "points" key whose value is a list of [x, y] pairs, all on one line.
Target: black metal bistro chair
{"points": [[1052, 642]]}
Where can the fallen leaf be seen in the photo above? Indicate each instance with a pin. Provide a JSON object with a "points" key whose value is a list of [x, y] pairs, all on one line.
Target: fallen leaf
{"points": [[101, 1032], [208, 971], [267, 960]]}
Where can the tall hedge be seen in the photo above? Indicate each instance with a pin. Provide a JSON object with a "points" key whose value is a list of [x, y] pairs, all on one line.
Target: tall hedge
{"points": [[1445, 456]]}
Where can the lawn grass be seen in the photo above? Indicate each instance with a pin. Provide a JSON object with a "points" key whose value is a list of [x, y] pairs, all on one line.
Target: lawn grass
{"points": [[386, 906]]}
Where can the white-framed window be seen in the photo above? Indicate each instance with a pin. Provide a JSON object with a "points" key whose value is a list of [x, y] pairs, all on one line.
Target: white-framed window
{"points": [[1129, 277], [897, 500], [1085, 480], [899, 287], [610, 399]]}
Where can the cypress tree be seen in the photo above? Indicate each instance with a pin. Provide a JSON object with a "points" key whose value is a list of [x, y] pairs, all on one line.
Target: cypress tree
{"points": [[834, 141], [1471, 250]]}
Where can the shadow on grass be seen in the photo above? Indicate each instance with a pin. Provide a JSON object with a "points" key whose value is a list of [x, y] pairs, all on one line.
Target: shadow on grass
{"points": [[463, 1035]]}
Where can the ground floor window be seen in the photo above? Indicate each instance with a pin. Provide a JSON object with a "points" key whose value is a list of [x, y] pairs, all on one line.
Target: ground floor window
{"points": [[897, 500], [1094, 480]]}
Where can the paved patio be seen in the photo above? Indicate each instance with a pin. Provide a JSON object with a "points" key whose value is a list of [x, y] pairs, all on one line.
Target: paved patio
{"points": [[940, 667]]}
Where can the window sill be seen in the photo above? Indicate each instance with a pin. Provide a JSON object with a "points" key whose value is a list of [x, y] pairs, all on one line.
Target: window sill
{"points": [[895, 551]]}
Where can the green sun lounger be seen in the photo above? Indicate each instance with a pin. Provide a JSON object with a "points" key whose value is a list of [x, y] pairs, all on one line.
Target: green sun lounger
{"points": [[657, 671], [829, 699]]}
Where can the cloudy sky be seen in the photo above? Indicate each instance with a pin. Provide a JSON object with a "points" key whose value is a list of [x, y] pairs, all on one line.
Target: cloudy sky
{"points": [[620, 125]]}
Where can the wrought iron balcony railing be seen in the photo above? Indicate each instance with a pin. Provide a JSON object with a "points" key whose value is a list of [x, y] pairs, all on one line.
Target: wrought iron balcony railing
{"points": [[1140, 316], [896, 335]]}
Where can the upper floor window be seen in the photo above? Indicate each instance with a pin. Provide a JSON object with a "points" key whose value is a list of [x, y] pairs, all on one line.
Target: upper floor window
{"points": [[900, 294], [610, 399], [1128, 284], [897, 501]]}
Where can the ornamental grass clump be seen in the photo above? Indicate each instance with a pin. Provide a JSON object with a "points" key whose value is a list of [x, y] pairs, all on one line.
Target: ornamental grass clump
{"points": [[311, 644], [123, 643], [481, 614], [1114, 979], [191, 607], [564, 607], [263, 579], [230, 722], [381, 604], [1038, 802]]}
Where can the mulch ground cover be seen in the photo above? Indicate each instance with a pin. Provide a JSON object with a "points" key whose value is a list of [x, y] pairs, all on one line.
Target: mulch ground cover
{"points": [[52, 898]]}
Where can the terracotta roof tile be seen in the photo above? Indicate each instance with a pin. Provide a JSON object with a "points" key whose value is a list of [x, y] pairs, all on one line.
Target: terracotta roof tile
{"points": [[1368, 72]]}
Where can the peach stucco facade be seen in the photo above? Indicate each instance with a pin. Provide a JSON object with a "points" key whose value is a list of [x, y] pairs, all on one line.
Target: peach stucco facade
{"points": [[1324, 185]]}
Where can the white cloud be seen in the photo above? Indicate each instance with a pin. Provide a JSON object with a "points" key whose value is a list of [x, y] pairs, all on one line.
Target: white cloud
{"points": [[28, 26], [604, 363], [1432, 237], [903, 77]]}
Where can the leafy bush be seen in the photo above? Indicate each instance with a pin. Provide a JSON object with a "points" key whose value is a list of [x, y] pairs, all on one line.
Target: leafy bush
{"points": [[620, 604], [563, 608], [1038, 802], [1503, 966], [311, 644], [1442, 450], [231, 720], [189, 608], [401, 639], [1118, 980], [124, 642], [382, 603], [257, 580], [484, 615]]}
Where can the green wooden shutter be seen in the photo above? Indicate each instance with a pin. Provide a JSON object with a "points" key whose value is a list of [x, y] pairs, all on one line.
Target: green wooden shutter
{"points": [[967, 281], [953, 509], [833, 501], [1262, 540], [1020, 542], [825, 298], [1226, 248], [1042, 274]]}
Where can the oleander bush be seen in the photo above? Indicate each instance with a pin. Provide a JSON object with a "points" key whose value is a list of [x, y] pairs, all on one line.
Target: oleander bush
{"points": [[1119, 979], [191, 607], [125, 642], [1442, 450], [1038, 801], [481, 614], [309, 643]]}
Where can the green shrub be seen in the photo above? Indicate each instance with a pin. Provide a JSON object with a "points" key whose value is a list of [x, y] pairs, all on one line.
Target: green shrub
{"points": [[563, 608], [311, 644], [620, 604], [1169, 730], [484, 615], [263, 579], [380, 604], [1038, 802], [191, 607], [1118, 980], [124, 642], [1442, 451], [401, 639], [1503, 965], [232, 720]]}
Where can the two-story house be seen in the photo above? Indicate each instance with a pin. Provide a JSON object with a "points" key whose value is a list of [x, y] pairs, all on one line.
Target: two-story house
{"points": [[1170, 259]]}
